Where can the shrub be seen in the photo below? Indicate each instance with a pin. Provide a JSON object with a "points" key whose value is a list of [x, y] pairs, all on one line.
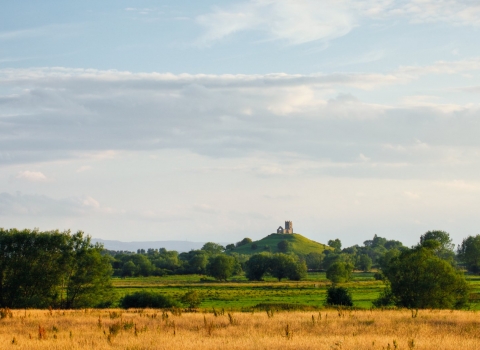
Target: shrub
{"points": [[338, 296], [147, 299], [192, 299]]}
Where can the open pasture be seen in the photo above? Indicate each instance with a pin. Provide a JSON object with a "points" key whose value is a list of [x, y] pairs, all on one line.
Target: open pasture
{"points": [[241, 295], [156, 329]]}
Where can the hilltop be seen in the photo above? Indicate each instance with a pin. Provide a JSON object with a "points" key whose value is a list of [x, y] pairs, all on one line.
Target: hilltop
{"points": [[298, 245]]}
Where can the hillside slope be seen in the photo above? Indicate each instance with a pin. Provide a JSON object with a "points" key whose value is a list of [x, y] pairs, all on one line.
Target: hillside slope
{"points": [[298, 245]]}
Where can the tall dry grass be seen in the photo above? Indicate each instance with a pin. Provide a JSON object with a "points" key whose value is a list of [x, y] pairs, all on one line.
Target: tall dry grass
{"points": [[154, 329]]}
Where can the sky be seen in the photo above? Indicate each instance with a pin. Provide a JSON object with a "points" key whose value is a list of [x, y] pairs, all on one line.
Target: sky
{"points": [[219, 120]]}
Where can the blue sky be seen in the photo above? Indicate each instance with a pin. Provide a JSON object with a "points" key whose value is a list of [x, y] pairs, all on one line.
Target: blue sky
{"points": [[162, 120]]}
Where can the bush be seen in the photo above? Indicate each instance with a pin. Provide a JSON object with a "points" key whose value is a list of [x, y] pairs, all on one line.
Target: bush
{"points": [[144, 299], [338, 296], [192, 299]]}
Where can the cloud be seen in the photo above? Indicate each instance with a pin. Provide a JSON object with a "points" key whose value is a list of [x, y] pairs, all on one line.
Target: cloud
{"points": [[40, 205], [61, 113], [32, 176], [295, 22], [299, 22]]}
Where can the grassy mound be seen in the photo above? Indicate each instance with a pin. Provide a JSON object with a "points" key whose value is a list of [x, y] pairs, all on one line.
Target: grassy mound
{"points": [[298, 244]]}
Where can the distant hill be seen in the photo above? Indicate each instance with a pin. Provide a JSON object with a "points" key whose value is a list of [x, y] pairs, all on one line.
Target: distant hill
{"points": [[298, 244], [179, 246]]}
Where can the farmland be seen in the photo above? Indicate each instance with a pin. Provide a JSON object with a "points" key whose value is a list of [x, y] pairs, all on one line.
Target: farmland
{"points": [[242, 295]]}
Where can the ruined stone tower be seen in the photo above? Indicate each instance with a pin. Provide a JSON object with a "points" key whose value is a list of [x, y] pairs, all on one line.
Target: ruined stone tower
{"points": [[288, 227]]}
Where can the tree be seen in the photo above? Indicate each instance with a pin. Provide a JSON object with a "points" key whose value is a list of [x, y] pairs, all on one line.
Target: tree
{"points": [[129, 269], [314, 260], [283, 246], [244, 241], [419, 279], [335, 243], [257, 266], [42, 269], [221, 267], [87, 275], [339, 272], [338, 296], [444, 248], [213, 248], [230, 247], [469, 253], [365, 263], [197, 262], [283, 266]]}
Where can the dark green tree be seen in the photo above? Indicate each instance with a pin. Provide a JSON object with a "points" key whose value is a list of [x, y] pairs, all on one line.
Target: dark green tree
{"points": [[419, 279], [314, 260], [42, 269], [87, 275], [444, 248], [287, 266], [257, 266], [221, 267], [244, 241], [364, 263], [469, 253], [213, 248], [340, 272], [335, 243]]}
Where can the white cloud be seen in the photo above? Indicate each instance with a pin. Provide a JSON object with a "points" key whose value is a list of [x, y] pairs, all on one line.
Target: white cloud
{"points": [[298, 22], [59, 113], [32, 176]]}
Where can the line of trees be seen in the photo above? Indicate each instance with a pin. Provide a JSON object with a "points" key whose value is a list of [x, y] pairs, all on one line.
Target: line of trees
{"points": [[52, 269]]}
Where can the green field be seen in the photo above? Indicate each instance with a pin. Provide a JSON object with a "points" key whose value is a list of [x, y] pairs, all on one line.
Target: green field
{"points": [[241, 295]]}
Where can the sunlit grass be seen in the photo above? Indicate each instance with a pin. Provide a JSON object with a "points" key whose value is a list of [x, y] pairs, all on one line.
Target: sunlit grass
{"points": [[325, 329]]}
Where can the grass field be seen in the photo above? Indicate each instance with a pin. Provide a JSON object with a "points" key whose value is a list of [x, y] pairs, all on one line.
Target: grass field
{"points": [[156, 329], [242, 295]]}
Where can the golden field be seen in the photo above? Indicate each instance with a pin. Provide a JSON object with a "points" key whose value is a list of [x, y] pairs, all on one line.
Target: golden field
{"points": [[155, 329]]}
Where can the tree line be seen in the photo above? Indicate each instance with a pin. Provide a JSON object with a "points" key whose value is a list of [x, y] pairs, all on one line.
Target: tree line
{"points": [[52, 269]]}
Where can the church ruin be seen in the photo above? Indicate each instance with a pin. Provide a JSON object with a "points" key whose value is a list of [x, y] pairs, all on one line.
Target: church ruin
{"points": [[288, 228]]}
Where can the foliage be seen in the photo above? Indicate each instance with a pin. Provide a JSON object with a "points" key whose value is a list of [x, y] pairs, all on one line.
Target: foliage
{"points": [[244, 241], [339, 272], [335, 244], [283, 266], [42, 269], [192, 299], [257, 266], [338, 296], [314, 260], [469, 253], [213, 248], [221, 267], [385, 299], [143, 299], [365, 263], [443, 246], [420, 279]]}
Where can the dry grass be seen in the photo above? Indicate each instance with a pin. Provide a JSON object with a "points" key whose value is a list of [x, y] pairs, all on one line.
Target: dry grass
{"points": [[154, 329]]}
